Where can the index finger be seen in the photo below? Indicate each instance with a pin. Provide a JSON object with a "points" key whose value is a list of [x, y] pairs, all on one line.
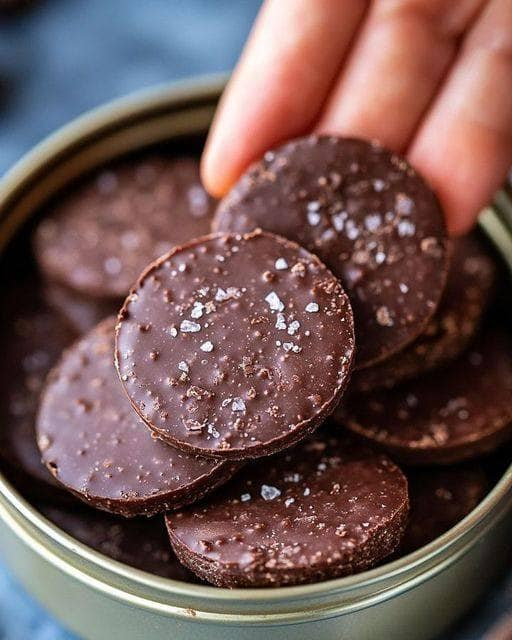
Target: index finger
{"points": [[280, 84]]}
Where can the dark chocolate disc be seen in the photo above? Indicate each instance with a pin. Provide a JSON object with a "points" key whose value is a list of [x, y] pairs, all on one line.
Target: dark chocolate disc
{"points": [[469, 288], [368, 215], [328, 507], [32, 339], [440, 498], [446, 416], [142, 543], [104, 233], [235, 346], [97, 447]]}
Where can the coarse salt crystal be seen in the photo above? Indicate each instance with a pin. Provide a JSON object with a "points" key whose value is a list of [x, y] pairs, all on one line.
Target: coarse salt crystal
{"points": [[268, 492], [274, 301], [281, 264], [312, 307], [190, 327], [207, 346]]}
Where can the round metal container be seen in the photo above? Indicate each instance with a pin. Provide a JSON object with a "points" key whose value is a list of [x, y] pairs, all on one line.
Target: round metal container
{"points": [[416, 596]]}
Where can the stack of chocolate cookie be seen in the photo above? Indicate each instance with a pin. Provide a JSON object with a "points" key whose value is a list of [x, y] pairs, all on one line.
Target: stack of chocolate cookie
{"points": [[326, 329]]}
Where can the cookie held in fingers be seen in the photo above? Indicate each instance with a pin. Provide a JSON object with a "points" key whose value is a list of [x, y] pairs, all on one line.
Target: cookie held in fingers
{"points": [[446, 416], [98, 240], [142, 543], [98, 448], [235, 346], [469, 289], [368, 215], [326, 508]]}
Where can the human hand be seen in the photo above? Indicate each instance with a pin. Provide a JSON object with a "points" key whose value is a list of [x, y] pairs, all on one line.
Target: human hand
{"points": [[429, 78]]}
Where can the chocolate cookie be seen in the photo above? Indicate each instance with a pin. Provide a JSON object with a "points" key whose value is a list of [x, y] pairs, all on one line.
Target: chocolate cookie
{"points": [[446, 416], [469, 288], [235, 346], [327, 508], [97, 447], [368, 215], [32, 339], [82, 312], [140, 542], [440, 498], [104, 233]]}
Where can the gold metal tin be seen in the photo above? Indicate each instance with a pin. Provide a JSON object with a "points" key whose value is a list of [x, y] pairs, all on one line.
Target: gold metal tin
{"points": [[414, 597]]}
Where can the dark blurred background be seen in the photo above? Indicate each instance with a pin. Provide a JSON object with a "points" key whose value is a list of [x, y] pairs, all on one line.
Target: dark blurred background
{"points": [[59, 58]]}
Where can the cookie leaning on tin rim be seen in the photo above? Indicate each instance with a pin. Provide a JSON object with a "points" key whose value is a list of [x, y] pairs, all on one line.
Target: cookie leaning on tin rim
{"points": [[326, 508], [368, 215], [97, 240], [457, 413], [235, 345], [469, 289], [97, 447]]}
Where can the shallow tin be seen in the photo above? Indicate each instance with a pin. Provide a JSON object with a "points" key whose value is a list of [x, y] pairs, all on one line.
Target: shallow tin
{"points": [[414, 597]]}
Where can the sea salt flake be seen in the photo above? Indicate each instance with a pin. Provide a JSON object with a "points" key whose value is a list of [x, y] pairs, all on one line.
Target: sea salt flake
{"points": [[238, 404], [307, 491], [406, 229], [281, 264], [312, 307], [288, 346], [293, 327], [313, 218], [212, 431], [207, 346], [189, 327], [380, 257], [197, 310], [183, 366], [245, 497], [338, 221], [280, 322], [173, 332], [403, 287], [314, 205], [373, 221], [182, 267], [274, 302], [268, 492], [289, 501]]}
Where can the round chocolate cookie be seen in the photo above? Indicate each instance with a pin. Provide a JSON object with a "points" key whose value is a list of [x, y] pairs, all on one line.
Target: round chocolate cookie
{"points": [[82, 312], [142, 543], [105, 232], [368, 215], [97, 447], [32, 338], [440, 498], [327, 508], [446, 416], [469, 288], [235, 346]]}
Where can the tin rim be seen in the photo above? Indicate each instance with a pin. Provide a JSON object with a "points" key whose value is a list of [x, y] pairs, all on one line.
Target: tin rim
{"points": [[169, 597]]}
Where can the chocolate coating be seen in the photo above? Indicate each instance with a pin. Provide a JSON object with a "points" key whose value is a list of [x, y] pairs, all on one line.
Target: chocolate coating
{"points": [[328, 507], [368, 215], [235, 346], [97, 447], [446, 416], [140, 542], [469, 288], [440, 498], [82, 312], [32, 339], [103, 234]]}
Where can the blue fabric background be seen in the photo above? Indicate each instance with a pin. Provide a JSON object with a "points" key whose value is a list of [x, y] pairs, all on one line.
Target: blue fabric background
{"points": [[63, 57]]}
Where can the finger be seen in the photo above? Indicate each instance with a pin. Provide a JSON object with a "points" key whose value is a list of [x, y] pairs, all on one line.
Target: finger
{"points": [[398, 61], [288, 66], [464, 146]]}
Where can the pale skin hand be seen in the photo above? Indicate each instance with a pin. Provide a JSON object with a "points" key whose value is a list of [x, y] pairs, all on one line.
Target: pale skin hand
{"points": [[429, 78]]}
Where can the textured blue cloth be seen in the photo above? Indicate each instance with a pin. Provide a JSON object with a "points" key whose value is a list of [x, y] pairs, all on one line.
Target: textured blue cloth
{"points": [[64, 57]]}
